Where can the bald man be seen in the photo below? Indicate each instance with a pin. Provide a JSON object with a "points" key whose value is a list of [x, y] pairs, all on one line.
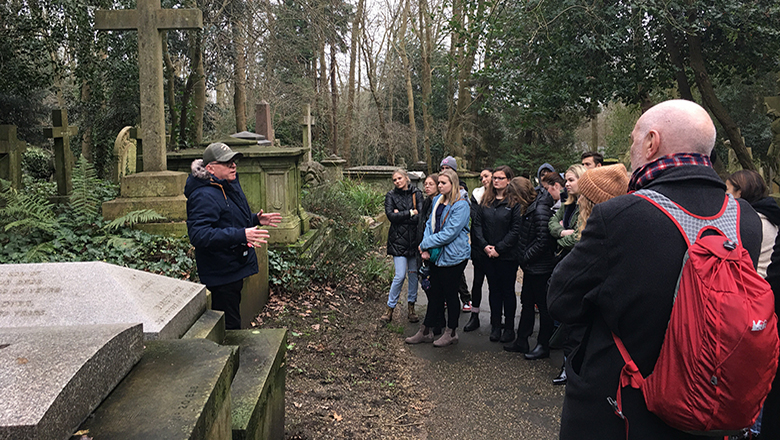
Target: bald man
{"points": [[621, 276]]}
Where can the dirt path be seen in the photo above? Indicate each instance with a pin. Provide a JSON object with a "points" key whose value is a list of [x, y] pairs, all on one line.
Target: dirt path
{"points": [[348, 377]]}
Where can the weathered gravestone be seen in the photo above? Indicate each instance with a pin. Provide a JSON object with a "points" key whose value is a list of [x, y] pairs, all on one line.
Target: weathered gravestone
{"points": [[307, 120], [154, 188], [63, 157], [52, 378], [263, 122], [11, 149], [76, 294]]}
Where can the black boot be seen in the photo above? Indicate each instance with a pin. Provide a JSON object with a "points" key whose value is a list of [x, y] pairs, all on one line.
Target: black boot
{"points": [[508, 335], [561, 379], [519, 346], [473, 323], [539, 352], [495, 333]]}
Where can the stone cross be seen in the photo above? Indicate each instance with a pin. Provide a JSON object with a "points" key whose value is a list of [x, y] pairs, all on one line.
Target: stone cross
{"points": [[11, 149], [63, 157], [149, 19], [307, 121], [264, 124]]}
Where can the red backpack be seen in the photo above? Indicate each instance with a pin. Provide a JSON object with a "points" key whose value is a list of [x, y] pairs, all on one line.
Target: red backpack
{"points": [[720, 350]]}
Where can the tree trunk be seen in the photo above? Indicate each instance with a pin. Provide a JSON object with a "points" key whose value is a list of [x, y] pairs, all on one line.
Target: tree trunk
{"points": [[347, 150], [679, 68], [717, 108], [370, 73], [86, 129], [239, 75], [334, 97], [424, 35], [199, 89], [408, 75], [185, 103], [171, 91]]}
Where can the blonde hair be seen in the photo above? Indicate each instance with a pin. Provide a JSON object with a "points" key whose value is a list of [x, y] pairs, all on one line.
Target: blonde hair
{"points": [[402, 172], [453, 178], [585, 207], [578, 170]]}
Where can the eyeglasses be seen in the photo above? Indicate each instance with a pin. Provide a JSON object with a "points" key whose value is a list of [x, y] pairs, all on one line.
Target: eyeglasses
{"points": [[229, 164]]}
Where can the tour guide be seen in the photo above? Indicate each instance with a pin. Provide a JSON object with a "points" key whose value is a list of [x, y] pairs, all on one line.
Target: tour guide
{"points": [[223, 229]]}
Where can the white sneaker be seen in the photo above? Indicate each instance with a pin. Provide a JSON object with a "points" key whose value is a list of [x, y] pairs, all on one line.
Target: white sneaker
{"points": [[467, 307]]}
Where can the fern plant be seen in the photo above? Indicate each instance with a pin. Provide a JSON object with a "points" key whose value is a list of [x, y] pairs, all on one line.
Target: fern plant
{"points": [[27, 212], [133, 217], [84, 201]]}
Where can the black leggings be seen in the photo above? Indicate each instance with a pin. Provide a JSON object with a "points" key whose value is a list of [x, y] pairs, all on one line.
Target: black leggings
{"points": [[535, 292], [444, 288], [479, 278], [501, 275]]}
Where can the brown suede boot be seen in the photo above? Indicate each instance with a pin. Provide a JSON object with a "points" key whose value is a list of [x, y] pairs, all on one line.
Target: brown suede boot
{"points": [[387, 316], [449, 337], [425, 334], [412, 315]]}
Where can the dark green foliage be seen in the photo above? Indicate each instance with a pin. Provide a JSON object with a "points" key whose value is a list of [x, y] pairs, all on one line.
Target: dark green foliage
{"points": [[33, 230], [38, 163], [348, 251]]}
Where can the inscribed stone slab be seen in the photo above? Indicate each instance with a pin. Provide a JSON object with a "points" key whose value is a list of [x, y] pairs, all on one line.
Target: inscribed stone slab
{"points": [[52, 378], [180, 390], [68, 294]]}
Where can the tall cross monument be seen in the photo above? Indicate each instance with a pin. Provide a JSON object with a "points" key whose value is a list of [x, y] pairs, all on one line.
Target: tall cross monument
{"points": [[155, 188], [150, 20]]}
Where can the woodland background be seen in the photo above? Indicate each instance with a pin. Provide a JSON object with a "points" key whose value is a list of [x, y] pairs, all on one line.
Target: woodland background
{"points": [[392, 81]]}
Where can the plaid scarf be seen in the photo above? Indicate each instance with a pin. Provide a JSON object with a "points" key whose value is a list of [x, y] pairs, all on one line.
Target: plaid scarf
{"points": [[649, 171]]}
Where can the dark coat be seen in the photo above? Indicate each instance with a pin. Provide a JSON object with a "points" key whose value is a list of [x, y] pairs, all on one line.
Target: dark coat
{"points": [[497, 225], [537, 246], [621, 278], [770, 425], [217, 215], [402, 240]]}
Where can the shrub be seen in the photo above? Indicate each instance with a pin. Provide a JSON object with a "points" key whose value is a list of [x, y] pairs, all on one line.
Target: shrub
{"points": [[38, 163]]}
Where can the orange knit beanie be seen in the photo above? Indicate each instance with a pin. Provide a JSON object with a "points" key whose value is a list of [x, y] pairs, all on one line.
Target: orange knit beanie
{"points": [[603, 183]]}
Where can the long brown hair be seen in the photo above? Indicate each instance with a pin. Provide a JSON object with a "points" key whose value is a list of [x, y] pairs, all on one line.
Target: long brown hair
{"points": [[490, 191], [524, 190], [750, 184]]}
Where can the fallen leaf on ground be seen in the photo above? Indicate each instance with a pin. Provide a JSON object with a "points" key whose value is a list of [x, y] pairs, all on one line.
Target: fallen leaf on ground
{"points": [[337, 417]]}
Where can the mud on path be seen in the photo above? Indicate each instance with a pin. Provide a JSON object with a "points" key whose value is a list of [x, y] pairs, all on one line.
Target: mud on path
{"points": [[348, 376]]}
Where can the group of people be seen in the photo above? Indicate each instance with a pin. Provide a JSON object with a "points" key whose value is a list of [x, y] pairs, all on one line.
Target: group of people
{"points": [[506, 223], [599, 263]]}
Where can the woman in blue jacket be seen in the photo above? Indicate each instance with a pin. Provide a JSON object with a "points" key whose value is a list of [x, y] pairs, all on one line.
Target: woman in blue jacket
{"points": [[446, 244]]}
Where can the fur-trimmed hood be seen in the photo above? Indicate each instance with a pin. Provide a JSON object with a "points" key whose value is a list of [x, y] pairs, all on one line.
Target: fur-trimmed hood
{"points": [[199, 169]]}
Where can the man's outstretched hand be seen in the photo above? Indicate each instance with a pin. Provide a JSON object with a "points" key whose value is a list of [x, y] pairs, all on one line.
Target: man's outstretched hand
{"points": [[269, 219], [256, 237]]}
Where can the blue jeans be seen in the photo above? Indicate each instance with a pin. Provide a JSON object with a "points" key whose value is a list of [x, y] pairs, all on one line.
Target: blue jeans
{"points": [[401, 266]]}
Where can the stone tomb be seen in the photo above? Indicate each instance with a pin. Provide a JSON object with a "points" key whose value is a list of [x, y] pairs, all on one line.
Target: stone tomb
{"points": [[78, 294], [52, 378]]}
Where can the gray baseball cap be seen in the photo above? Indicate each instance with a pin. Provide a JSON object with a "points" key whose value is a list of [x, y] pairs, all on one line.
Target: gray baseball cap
{"points": [[219, 152]]}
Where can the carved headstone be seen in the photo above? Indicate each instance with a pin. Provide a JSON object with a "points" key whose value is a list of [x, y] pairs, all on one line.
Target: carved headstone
{"points": [[64, 294], [264, 124], [63, 157], [124, 155]]}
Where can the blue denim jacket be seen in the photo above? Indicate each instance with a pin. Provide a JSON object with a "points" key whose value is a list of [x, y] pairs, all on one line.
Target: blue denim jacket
{"points": [[453, 236]]}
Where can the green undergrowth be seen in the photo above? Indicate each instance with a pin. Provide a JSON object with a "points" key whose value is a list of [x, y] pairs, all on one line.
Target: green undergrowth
{"points": [[35, 230], [348, 254]]}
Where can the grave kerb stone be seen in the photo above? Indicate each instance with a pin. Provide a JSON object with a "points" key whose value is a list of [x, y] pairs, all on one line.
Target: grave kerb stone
{"points": [[52, 378]]}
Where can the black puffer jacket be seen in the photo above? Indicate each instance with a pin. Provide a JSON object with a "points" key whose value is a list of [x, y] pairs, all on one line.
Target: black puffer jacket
{"points": [[497, 225], [402, 240], [537, 246]]}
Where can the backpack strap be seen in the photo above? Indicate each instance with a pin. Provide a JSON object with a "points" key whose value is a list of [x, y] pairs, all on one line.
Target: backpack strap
{"points": [[691, 225]]}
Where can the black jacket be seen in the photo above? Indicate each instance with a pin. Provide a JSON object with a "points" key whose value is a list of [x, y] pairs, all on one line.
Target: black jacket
{"points": [[217, 215], [497, 225], [621, 278], [402, 240], [770, 425], [537, 246]]}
